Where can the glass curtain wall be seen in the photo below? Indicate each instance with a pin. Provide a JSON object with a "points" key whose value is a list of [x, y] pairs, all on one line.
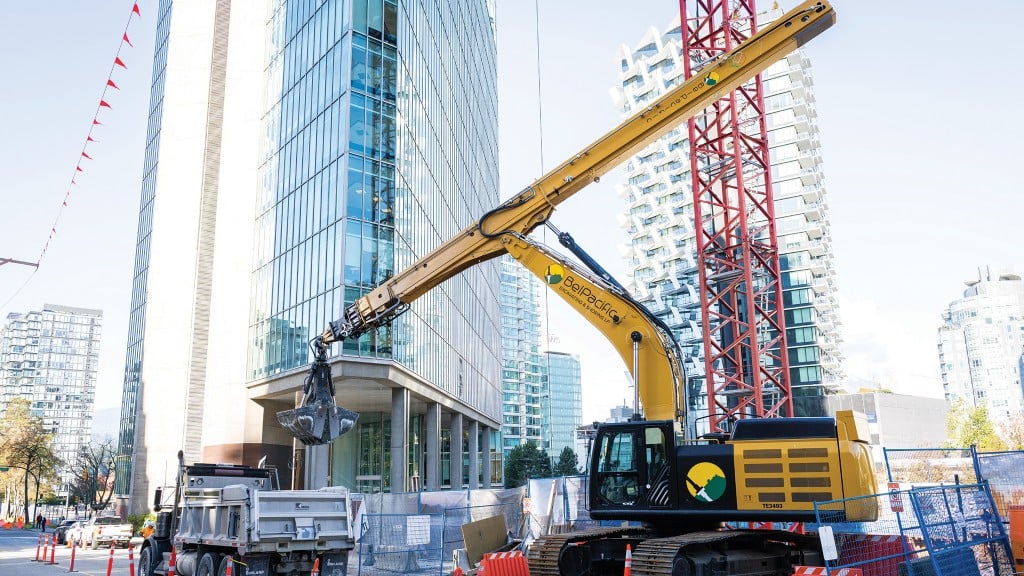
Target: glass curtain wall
{"points": [[380, 142]]}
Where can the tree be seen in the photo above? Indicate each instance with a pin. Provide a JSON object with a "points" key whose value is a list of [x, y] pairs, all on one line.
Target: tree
{"points": [[26, 445], [568, 464], [971, 426], [1013, 432], [94, 474], [524, 462]]}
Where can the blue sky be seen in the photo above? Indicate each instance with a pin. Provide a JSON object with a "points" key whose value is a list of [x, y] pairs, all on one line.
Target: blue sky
{"points": [[917, 108]]}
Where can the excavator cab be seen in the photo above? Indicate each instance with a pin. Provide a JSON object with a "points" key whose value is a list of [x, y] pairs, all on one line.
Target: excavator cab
{"points": [[318, 419], [632, 468]]}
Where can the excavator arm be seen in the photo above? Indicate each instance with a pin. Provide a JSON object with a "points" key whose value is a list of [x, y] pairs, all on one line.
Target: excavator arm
{"points": [[505, 228], [643, 342], [532, 207]]}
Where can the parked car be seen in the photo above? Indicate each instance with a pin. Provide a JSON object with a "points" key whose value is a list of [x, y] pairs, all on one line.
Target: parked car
{"points": [[104, 530], [61, 531]]}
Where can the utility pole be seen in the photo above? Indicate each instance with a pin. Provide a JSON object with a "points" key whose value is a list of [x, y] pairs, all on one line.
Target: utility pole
{"points": [[22, 262]]}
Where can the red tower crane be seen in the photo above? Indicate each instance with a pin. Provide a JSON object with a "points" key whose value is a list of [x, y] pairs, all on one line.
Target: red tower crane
{"points": [[737, 250]]}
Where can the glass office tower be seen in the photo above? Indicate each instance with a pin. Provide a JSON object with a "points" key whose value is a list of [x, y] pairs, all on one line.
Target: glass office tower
{"points": [[299, 154], [380, 143]]}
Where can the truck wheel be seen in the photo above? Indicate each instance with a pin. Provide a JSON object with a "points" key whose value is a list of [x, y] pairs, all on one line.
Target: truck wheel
{"points": [[146, 562], [208, 564]]}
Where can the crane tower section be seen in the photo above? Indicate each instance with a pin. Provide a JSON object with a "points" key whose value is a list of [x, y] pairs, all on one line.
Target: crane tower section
{"points": [[737, 250]]}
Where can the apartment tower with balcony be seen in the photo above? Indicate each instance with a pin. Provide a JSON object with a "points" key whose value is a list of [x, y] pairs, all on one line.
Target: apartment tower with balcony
{"points": [[661, 228]]}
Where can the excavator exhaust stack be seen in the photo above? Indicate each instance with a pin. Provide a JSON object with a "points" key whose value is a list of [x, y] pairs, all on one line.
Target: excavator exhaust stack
{"points": [[318, 420]]}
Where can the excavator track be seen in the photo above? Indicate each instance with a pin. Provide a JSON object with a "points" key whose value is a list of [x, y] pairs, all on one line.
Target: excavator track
{"points": [[655, 556], [667, 556], [545, 551]]}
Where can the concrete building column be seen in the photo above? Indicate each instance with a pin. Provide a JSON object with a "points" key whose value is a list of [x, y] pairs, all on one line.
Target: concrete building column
{"points": [[399, 440], [474, 455], [432, 454], [485, 441], [456, 466]]}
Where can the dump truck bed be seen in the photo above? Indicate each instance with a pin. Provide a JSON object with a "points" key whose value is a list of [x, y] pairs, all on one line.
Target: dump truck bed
{"points": [[254, 521]]}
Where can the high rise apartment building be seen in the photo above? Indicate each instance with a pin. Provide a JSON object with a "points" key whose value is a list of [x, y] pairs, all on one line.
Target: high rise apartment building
{"points": [[981, 344], [524, 397], [300, 153], [51, 357], [564, 401], [661, 229]]}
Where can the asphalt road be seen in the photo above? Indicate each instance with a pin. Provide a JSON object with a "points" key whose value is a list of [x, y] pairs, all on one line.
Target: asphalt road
{"points": [[18, 553]]}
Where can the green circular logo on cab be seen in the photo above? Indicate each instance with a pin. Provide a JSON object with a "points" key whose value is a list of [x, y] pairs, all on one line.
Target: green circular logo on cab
{"points": [[705, 481]]}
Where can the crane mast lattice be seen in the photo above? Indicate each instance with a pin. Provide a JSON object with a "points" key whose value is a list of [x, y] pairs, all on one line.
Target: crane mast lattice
{"points": [[745, 357]]}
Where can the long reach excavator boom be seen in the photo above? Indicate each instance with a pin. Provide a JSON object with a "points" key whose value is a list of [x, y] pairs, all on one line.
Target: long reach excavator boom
{"points": [[319, 420]]}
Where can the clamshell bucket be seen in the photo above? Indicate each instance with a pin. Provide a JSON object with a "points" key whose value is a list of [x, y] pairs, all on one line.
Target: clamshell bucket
{"points": [[318, 420]]}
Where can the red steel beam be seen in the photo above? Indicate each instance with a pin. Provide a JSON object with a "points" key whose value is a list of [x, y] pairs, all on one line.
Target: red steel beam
{"points": [[745, 355]]}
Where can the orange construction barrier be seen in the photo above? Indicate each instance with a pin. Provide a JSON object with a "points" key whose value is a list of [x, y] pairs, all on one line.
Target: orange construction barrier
{"points": [[458, 571], [110, 561], [46, 546], [74, 546], [131, 560], [316, 567], [171, 568], [53, 547], [629, 561], [819, 571], [39, 544], [231, 563], [1017, 533], [504, 564]]}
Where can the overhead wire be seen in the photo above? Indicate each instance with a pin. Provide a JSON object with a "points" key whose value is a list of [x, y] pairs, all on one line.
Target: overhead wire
{"points": [[102, 103]]}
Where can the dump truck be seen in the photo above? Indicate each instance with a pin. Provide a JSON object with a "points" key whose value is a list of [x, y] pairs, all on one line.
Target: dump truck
{"points": [[226, 514]]}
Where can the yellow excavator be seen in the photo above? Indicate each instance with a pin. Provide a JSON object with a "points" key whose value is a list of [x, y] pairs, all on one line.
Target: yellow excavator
{"points": [[675, 492]]}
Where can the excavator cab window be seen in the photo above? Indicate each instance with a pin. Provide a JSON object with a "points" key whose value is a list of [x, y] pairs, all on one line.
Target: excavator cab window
{"points": [[634, 465], [656, 487], [617, 468]]}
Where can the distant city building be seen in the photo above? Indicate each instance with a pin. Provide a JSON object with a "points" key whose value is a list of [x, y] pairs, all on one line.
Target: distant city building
{"points": [[51, 357], [523, 396], [621, 413], [660, 224], [564, 402], [981, 344], [298, 155], [897, 420]]}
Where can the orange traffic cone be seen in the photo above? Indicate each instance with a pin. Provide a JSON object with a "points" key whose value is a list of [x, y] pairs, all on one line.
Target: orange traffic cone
{"points": [[171, 568], [629, 561], [458, 571]]}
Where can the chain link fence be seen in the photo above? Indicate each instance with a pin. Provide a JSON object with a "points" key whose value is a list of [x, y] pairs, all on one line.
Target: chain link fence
{"points": [[1004, 472], [399, 543], [926, 531], [931, 465]]}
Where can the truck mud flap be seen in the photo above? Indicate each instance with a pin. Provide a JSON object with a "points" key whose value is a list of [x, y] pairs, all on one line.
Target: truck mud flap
{"points": [[252, 566], [319, 423], [334, 564]]}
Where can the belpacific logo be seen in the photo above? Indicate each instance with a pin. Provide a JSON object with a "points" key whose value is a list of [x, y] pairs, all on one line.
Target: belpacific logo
{"points": [[554, 274]]}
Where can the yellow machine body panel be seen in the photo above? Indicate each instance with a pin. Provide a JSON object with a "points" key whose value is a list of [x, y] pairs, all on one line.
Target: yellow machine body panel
{"points": [[793, 467]]}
